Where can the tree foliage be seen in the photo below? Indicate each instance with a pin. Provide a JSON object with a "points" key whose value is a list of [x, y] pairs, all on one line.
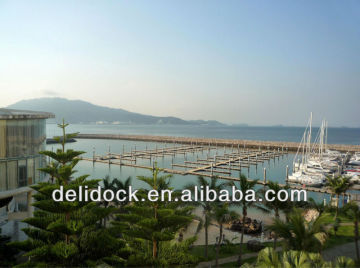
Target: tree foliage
{"points": [[208, 208], [65, 233], [245, 185], [299, 234], [149, 224], [352, 211], [269, 258], [338, 185]]}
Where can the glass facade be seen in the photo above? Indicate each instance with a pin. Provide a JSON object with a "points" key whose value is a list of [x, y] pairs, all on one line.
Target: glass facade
{"points": [[20, 143]]}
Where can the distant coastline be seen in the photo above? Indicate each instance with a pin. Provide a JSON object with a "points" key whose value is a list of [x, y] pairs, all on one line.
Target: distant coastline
{"points": [[82, 112]]}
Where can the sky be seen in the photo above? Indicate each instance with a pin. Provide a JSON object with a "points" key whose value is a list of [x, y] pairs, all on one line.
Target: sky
{"points": [[255, 62]]}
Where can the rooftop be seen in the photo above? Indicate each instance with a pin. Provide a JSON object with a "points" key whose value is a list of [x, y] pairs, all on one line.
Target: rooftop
{"points": [[22, 114]]}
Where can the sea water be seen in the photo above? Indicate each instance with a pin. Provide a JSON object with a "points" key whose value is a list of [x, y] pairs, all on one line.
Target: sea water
{"points": [[275, 168], [292, 134]]}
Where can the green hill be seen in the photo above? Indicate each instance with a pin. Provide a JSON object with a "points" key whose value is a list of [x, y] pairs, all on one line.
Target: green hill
{"points": [[78, 111]]}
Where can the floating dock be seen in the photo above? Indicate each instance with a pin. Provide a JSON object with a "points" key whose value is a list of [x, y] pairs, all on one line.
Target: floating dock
{"points": [[220, 165], [237, 159], [243, 154]]}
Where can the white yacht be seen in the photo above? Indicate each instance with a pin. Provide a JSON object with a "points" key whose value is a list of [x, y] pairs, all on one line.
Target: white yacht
{"points": [[307, 180], [355, 160], [313, 162]]}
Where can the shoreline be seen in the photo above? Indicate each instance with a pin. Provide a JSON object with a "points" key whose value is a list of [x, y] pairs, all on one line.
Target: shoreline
{"points": [[236, 143]]}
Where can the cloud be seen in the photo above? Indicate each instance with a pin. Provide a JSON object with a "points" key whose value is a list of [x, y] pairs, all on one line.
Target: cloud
{"points": [[49, 92]]}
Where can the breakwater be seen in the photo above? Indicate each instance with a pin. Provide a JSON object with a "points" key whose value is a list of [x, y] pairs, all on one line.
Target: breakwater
{"points": [[269, 145]]}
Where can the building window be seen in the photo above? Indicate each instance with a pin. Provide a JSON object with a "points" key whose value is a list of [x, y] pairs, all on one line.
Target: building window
{"points": [[12, 175], [30, 171], [3, 184], [22, 173]]}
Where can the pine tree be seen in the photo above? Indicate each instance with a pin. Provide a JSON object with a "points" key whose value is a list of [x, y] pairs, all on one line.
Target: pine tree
{"points": [[66, 233], [151, 223]]}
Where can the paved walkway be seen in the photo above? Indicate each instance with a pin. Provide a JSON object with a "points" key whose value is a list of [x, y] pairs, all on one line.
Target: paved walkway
{"points": [[347, 250]]}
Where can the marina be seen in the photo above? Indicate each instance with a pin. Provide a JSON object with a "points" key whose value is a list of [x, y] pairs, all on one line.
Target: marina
{"points": [[216, 161], [180, 134], [314, 161], [235, 160]]}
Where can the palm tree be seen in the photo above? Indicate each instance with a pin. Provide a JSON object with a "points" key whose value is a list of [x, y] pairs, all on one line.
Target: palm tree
{"points": [[122, 185], [244, 185], [276, 205], [222, 215], [207, 207], [338, 185], [299, 234], [352, 210]]}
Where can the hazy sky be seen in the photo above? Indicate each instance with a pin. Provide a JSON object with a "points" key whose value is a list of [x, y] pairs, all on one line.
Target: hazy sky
{"points": [[256, 62]]}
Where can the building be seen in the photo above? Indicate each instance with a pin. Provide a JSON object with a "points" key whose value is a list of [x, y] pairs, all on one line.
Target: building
{"points": [[22, 137]]}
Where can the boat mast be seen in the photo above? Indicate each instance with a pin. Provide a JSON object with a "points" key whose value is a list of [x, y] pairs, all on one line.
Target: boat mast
{"points": [[321, 141], [326, 134], [303, 151], [309, 138]]}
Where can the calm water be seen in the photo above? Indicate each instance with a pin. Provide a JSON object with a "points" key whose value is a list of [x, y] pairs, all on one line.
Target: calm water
{"points": [[275, 168], [335, 135]]}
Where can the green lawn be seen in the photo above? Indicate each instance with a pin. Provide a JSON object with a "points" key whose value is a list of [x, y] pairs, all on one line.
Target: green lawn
{"points": [[345, 234], [329, 218]]}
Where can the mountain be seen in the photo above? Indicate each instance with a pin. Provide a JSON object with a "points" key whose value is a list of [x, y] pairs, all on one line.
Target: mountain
{"points": [[78, 111], [240, 125]]}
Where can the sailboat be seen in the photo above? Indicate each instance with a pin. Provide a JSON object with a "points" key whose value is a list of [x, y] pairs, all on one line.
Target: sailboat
{"points": [[313, 162], [304, 173], [321, 160]]}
